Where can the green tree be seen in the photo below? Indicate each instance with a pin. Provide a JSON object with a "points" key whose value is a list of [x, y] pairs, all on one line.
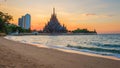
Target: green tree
{"points": [[83, 31], [4, 20]]}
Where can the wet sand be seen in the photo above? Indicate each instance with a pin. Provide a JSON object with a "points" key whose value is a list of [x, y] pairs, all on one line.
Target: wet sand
{"points": [[18, 55]]}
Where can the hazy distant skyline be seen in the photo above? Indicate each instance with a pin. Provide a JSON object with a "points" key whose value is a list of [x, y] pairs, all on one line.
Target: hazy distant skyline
{"points": [[102, 15]]}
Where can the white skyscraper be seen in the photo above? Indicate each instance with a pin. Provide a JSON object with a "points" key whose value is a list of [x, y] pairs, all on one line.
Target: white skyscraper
{"points": [[25, 21]]}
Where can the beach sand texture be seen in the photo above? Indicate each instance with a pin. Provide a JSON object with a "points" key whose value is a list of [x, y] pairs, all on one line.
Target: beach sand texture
{"points": [[18, 55]]}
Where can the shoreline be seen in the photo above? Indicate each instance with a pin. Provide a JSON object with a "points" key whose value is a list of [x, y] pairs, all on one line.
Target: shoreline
{"points": [[53, 34], [73, 51], [90, 54], [48, 57], [76, 52]]}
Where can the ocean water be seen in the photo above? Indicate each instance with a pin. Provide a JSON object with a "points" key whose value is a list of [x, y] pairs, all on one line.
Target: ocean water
{"points": [[107, 45]]}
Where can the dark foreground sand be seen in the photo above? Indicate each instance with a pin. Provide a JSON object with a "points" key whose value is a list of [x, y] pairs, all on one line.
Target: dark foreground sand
{"points": [[18, 55]]}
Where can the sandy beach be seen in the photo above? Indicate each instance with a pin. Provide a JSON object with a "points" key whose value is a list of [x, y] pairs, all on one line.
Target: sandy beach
{"points": [[18, 55]]}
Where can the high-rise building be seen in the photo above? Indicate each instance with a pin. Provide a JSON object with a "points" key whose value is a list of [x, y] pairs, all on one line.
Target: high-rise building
{"points": [[19, 22], [25, 21]]}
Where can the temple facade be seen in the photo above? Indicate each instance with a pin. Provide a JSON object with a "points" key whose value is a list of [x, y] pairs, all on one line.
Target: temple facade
{"points": [[54, 26]]}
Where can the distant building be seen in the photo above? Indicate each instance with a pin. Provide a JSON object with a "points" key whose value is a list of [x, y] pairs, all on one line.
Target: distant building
{"points": [[54, 26], [25, 21], [19, 22]]}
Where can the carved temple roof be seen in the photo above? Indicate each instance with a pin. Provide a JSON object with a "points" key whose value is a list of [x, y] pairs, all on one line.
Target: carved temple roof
{"points": [[54, 26]]}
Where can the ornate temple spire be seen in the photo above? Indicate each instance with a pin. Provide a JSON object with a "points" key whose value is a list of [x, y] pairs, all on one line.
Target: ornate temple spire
{"points": [[54, 25], [54, 11]]}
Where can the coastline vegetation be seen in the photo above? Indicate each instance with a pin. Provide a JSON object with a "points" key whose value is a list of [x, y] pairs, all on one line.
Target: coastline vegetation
{"points": [[78, 30]]}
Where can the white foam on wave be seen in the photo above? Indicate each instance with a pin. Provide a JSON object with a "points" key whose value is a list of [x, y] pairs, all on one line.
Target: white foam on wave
{"points": [[25, 41]]}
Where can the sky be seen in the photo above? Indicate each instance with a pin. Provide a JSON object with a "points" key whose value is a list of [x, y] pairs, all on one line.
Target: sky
{"points": [[102, 15]]}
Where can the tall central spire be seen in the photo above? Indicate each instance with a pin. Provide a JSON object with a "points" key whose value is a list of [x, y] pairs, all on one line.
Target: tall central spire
{"points": [[54, 11]]}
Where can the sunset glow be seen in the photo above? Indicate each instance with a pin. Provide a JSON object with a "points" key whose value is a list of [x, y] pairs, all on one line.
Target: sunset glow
{"points": [[102, 15]]}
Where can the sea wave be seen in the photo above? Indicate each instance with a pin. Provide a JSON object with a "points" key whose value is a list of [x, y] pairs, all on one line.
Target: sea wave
{"points": [[106, 45], [96, 49]]}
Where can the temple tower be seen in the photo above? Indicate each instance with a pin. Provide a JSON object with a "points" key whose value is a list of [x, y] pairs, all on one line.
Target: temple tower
{"points": [[54, 26]]}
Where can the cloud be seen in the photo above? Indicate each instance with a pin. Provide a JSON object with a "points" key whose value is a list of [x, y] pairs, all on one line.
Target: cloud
{"points": [[109, 15], [96, 15], [90, 14]]}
